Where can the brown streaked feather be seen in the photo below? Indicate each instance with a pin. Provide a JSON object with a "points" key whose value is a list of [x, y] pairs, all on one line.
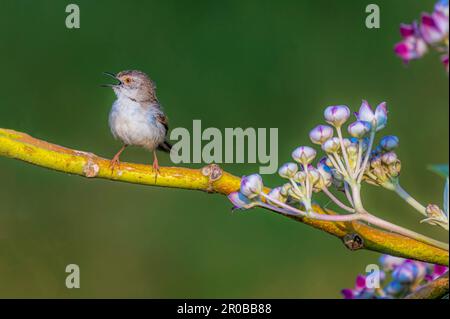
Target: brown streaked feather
{"points": [[161, 118], [164, 146]]}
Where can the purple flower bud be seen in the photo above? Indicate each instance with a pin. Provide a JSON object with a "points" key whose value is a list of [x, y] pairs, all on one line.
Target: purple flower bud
{"points": [[378, 119], [389, 142], [337, 115], [251, 186], [304, 154], [359, 129], [381, 116], [288, 170], [240, 201], [332, 145], [320, 134]]}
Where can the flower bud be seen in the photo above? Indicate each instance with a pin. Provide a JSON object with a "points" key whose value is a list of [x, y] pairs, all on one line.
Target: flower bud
{"points": [[251, 186], [288, 170], [326, 177], [240, 201], [313, 175], [284, 191], [375, 162], [332, 145], [377, 119], [320, 134], [359, 129], [434, 27], [300, 177], [347, 142], [352, 149], [389, 158], [338, 180], [433, 211], [389, 142], [276, 195], [304, 154], [337, 115]]}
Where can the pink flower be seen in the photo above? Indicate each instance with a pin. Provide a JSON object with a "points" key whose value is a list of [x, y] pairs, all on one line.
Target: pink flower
{"points": [[413, 46], [360, 286], [434, 27], [432, 32]]}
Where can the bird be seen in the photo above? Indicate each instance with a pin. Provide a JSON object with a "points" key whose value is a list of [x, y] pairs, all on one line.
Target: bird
{"points": [[136, 117]]}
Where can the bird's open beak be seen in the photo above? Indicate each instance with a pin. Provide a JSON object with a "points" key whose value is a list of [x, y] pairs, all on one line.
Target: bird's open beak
{"points": [[113, 76]]}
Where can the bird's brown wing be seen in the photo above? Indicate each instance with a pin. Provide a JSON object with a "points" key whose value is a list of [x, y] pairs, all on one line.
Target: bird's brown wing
{"points": [[161, 118], [164, 146]]}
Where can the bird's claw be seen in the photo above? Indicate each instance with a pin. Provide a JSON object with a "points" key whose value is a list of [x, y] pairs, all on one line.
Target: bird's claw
{"points": [[114, 163], [155, 167]]}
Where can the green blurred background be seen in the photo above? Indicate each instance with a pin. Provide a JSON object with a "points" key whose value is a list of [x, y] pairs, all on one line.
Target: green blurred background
{"points": [[230, 64]]}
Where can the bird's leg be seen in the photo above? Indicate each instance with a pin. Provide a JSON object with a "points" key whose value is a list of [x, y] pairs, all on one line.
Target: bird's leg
{"points": [[115, 160], [155, 164]]}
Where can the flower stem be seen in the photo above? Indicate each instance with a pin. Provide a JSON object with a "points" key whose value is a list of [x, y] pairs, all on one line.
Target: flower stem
{"points": [[347, 193], [402, 231], [367, 156], [409, 199], [337, 201], [289, 210], [344, 151]]}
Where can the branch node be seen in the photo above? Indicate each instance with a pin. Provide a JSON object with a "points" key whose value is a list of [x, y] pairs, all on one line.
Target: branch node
{"points": [[91, 168], [214, 173], [353, 241]]}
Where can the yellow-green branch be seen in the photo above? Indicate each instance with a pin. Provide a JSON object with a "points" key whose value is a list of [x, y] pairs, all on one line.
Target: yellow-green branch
{"points": [[210, 178], [436, 289]]}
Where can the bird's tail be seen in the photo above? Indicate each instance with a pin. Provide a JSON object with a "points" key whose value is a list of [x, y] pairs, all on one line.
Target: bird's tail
{"points": [[165, 146]]}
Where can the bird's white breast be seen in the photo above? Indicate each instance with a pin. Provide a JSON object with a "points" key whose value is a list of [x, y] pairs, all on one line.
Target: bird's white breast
{"points": [[134, 124]]}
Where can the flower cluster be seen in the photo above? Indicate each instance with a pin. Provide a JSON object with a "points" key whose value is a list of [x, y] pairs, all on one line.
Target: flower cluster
{"points": [[398, 278], [348, 161], [431, 32]]}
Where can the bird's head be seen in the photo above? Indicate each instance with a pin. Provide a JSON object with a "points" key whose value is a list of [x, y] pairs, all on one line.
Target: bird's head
{"points": [[133, 84]]}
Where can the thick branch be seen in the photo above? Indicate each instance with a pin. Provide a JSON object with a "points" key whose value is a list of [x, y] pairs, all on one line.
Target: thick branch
{"points": [[211, 179], [436, 289]]}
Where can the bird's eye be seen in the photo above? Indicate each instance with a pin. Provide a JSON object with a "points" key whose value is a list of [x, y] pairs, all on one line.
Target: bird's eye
{"points": [[127, 80]]}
